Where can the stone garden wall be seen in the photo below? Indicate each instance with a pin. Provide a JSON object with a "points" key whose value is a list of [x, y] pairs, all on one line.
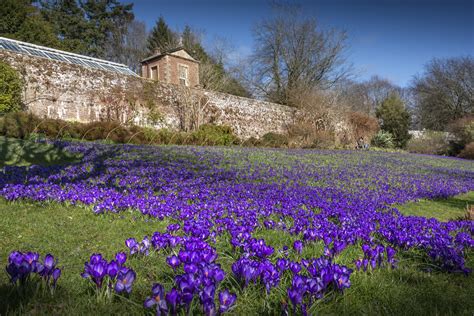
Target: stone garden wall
{"points": [[70, 92]]}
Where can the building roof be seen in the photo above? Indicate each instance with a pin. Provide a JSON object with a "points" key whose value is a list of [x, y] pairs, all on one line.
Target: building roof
{"points": [[58, 55], [170, 52]]}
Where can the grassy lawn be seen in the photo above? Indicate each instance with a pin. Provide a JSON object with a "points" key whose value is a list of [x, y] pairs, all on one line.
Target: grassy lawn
{"points": [[73, 232], [24, 153], [442, 209]]}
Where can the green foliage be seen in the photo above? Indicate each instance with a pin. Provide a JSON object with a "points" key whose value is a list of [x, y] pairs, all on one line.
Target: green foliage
{"points": [[431, 142], [11, 87], [86, 27], [36, 30], [26, 125], [208, 134], [274, 140], [17, 124], [383, 140], [395, 119], [67, 19], [12, 15], [161, 37], [107, 21]]}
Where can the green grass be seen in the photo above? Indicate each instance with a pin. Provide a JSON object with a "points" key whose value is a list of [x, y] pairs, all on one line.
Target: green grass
{"points": [[24, 153], [73, 233], [442, 209]]}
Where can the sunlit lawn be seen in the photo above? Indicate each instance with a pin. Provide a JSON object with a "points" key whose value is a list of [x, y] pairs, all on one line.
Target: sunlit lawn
{"points": [[73, 233]]}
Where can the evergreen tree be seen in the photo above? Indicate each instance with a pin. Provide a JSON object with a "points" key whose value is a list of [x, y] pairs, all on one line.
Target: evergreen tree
{"points": [[12, 15], [22, 21], [161, 37], [69, 23], [107, 21], [36, 30], [395, 119]]}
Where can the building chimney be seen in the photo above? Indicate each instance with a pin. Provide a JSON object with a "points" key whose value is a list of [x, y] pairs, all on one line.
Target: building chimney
{"points": [[157, 51]]}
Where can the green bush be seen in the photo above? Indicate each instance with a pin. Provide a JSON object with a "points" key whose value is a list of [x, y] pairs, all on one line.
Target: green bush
{"points": [[208, 134], [383, 140], [322, 140], [11, 87], [273, 140], [395, 119], [431, 142], [18, 124], [28, 126]]}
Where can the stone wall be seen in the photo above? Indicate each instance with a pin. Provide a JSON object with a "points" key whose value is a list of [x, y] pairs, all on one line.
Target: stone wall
{"points": [[70, 92]]}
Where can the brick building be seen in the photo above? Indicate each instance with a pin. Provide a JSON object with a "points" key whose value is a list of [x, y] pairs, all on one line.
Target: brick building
{"points": [[174, 66]]}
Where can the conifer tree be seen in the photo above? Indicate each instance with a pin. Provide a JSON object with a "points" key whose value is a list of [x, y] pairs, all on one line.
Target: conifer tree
{"points": [[395, 119], [161, 37]]}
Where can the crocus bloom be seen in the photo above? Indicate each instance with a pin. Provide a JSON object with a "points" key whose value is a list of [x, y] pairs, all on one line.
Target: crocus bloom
{"points": [[298, 246], [157, 299], [125, 281], [226, 300]]}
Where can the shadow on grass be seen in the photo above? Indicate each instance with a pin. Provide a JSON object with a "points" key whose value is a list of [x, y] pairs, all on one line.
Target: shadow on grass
{"points": [[25, 153], [14, 299]]}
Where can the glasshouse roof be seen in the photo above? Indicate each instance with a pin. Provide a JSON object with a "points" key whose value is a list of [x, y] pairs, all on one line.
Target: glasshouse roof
{"points": [[54, 54]]}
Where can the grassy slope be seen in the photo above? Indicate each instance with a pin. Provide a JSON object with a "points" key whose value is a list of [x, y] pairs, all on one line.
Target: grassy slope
{"points": [[24, 153], [73, 233], [442, 209]]}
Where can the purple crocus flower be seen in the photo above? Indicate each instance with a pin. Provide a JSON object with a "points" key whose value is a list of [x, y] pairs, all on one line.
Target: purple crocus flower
{"points": [[125, 281], [226, 300], [121, 257], [132, 244], [56, 274], [157, 299], [295, 267], [172, 298], [173, 261], [298, 246], [113, 269]]}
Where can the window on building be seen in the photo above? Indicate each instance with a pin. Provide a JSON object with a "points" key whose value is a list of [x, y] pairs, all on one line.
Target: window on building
{"points": [[183, 75], [154, 72]]}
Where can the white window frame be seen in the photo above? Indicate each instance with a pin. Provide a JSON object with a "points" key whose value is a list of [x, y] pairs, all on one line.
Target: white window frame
{"points": [[157, 72], [186, 78]]}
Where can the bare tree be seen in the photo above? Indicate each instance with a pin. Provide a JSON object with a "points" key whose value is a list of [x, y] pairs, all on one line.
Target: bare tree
{"points": [[445, 91], [131, 48], [191, 106], [294, 55], [366, 96]]}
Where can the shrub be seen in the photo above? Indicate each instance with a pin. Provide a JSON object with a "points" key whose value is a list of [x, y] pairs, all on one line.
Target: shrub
{"points": [[18, 124], [208, 134], [250, 142], [431, 142], [463, 133], [321, 140], [467, 152], [395, 119], [363, 125], [383, 140], [26, 125], [11, 87], [273, 140]]}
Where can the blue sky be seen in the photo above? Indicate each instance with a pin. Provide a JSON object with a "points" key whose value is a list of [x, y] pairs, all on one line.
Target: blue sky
{"points": [[390, 38]]}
